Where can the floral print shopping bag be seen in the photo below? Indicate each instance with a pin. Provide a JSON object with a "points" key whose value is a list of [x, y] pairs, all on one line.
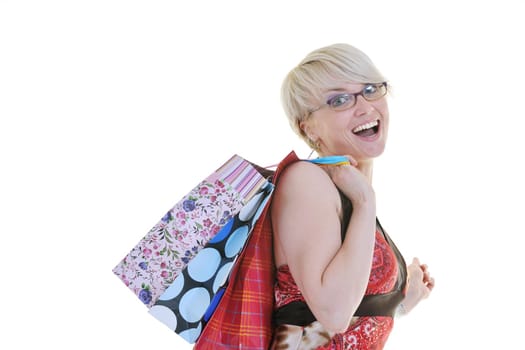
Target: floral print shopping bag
{"points": [[160, 256]]}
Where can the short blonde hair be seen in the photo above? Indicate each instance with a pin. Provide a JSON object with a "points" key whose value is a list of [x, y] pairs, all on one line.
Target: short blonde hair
{"points": [[319, 71]]}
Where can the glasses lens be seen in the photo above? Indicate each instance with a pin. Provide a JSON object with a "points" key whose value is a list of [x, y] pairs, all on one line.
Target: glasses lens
{"points": [[341, 102], [344, 101], [374, 91]]}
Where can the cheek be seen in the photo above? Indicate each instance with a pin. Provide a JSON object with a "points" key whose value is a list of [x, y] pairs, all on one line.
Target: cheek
{"points": [[382, 107]]}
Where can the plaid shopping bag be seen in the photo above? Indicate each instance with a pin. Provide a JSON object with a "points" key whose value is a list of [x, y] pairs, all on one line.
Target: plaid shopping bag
{"points": [[243, 318]]}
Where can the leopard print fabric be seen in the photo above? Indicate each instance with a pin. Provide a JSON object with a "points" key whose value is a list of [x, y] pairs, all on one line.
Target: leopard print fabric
{"points": [[289, 337], [364, 333]]}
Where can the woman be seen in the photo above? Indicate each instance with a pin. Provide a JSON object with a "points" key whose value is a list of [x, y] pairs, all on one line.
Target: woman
{"points": [[340, 279]]}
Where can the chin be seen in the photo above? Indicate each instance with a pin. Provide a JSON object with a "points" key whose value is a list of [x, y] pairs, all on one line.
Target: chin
{"points": [[373, 152]]}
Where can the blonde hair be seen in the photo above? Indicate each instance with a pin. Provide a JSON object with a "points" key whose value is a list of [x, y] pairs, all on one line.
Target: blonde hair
{"points": [[319, 71]]}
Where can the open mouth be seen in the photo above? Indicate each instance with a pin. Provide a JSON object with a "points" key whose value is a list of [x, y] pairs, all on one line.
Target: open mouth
{"points": [[368, 129]]}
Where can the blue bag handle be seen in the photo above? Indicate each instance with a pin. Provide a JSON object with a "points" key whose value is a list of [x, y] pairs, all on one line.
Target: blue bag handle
{"points": [[330, 160]]}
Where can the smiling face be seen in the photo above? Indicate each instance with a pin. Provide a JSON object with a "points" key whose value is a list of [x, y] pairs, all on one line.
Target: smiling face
{"points": [[360, 131]]}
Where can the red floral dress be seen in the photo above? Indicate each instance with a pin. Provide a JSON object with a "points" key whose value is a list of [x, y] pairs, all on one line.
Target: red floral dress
{"points": [[367, 332]]}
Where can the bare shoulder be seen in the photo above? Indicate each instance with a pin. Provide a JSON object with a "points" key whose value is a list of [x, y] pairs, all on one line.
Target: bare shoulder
{"points": [[304, 186], [303, 175], [305, 207]]}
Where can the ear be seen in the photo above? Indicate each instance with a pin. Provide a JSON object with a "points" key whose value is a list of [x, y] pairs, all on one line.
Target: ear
{"points": [[308, 130]]}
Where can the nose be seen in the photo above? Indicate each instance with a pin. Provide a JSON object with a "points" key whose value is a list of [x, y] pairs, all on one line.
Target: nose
{"points": [[362, 106]]}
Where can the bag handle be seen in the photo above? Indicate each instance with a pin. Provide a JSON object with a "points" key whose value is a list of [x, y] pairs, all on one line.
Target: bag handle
{"points": [[330, 160]]}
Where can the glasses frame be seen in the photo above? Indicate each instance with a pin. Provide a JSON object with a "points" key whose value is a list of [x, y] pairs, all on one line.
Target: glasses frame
{"points": [[356, 94]]}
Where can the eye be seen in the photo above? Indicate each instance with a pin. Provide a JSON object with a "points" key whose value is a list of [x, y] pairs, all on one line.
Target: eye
{"points": [[370, 90], [374, 91], [340, 100]]}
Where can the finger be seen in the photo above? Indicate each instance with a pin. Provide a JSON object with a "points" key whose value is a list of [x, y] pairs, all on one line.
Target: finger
{"points": [[417, 275], [415, 261], [351, 160], [426, 275], [431, 284]]}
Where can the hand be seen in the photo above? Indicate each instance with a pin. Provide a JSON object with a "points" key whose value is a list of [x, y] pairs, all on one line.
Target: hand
{"points": [[420, 284], [352, 182]]}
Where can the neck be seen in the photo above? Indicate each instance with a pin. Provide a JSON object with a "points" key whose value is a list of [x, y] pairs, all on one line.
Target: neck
{"points": [[367, 168]]}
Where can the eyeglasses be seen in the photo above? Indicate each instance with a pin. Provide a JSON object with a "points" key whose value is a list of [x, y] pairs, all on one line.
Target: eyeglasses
{"points": [[346, 100]]}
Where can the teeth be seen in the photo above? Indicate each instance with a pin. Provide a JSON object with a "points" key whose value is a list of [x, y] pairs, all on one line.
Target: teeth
{"points": [[365, 126]]}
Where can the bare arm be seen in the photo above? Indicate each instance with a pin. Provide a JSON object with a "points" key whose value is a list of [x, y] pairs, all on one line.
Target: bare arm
{"points": [[306, 215]]}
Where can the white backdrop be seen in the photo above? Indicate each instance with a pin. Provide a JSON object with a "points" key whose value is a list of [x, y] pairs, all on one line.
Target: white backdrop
{"points": [[112, 110]]}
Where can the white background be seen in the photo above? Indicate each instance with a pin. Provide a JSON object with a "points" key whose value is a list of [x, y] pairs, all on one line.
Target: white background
{"points": [[112, 110]]}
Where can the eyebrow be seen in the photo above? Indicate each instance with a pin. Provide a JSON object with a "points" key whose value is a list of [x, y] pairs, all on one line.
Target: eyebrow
{"points": [[334, 90], [342, 89], [328, 94]]}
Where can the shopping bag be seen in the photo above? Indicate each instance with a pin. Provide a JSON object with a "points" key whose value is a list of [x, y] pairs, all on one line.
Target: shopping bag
{"points": [[188, 303], [160, 256], [243, 318]]}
